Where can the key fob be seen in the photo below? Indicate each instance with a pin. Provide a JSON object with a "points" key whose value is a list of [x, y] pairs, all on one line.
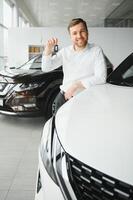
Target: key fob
{"points": [[56, 48]]}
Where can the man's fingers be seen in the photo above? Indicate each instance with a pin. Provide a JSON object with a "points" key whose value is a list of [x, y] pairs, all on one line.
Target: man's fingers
{"points": [[56, 41], [68, 96], [53, 41]]}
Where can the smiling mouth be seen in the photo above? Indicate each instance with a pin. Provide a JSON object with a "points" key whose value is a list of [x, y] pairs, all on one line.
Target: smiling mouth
{"points": [[80, 40]]}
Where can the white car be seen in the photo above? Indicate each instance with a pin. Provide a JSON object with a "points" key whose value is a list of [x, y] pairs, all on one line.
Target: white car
{"points": [[86, 150]]}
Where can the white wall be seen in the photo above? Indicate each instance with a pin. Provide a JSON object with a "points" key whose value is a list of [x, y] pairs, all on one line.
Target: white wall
{"points": [[1, 29], [117, 43], [1, 11], [19, 39], [1, 41], [1, 35]]}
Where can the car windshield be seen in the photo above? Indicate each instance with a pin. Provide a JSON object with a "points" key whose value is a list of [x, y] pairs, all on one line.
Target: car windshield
{"points": [[33, 63], [123, 74], [128, 76], [128, 73]]}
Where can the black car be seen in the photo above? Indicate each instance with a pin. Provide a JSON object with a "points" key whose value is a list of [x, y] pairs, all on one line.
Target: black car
{"points": [[27, 91]]}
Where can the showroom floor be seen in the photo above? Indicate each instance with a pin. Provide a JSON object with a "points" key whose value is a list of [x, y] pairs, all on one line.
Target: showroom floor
{"points": [[19, 140]]}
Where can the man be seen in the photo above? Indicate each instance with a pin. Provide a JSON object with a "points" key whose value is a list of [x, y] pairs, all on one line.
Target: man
{"points": [[83, 63]]}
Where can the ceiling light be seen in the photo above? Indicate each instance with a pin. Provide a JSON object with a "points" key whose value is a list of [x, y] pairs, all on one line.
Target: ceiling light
{"points": [[54, 12], [68, 8], [97, 8], [85, 3], [52, 3], [115, 4]]}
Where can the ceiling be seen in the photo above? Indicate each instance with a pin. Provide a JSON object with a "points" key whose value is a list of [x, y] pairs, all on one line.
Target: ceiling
{"points": [[60, 12]]}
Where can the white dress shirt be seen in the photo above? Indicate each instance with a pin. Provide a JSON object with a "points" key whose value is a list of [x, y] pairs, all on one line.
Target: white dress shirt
{"points": [[87, 65]]}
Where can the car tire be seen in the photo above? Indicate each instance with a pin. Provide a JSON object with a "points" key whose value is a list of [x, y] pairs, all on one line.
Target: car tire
{"points": [[50, 99]]}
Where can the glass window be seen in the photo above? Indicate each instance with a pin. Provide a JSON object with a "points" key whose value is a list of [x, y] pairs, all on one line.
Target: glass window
{"points": [[7, 15], [20, 21], [128, 73], [128, 77], [123, 74], [5, 42]]}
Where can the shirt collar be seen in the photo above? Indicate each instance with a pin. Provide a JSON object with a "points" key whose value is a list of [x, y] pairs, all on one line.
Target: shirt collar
{"points": [[83, 50]]}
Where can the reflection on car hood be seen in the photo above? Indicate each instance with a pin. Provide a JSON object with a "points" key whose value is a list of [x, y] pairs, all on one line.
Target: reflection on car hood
{"points": [[95, 127], [20, 74]]}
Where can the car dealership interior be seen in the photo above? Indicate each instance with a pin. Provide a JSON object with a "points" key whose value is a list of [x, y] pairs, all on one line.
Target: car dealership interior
{"points": [[27, 93]]}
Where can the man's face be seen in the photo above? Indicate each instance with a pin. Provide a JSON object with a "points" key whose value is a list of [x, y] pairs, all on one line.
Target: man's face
{"points": [[79, 36]]}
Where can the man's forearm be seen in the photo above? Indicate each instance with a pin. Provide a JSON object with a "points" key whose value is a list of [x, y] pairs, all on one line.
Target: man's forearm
{"points": [[47, 51], [73, 89]]}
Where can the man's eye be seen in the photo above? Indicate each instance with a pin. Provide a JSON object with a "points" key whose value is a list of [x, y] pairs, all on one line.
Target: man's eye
{"points": [[83, 31], [74, 33]]}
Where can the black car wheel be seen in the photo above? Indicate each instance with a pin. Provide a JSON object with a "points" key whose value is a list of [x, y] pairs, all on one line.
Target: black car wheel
{"points": [[49, 101]]}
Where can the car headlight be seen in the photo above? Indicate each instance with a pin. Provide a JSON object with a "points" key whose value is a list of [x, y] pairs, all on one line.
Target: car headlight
{"points": [[23, 97], [46, 149], [54, 159]]}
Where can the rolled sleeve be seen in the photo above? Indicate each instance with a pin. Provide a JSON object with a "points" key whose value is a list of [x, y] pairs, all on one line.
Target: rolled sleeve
{"points": [[51, 62]]}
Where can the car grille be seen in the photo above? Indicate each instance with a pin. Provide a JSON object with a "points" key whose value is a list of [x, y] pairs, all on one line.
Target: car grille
{"points": [[91, 184]]}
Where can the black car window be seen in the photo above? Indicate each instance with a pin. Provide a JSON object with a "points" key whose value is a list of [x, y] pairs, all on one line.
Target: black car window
{"points": [[128, 73], [128, 77], [123, 74]]}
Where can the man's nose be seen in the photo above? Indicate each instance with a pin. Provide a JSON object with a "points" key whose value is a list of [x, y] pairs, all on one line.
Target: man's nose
{"points": [[79, 35]]}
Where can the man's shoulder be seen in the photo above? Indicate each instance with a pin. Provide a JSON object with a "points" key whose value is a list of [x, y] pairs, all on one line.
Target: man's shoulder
{"points": [[93, 46]]}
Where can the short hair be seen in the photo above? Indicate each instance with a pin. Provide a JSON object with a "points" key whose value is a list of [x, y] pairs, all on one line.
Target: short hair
{"points": [[76, 21]]}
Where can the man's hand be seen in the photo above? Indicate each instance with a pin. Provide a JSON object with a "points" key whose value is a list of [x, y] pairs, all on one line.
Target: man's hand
{"points": [[50, 45], [74, 88]]}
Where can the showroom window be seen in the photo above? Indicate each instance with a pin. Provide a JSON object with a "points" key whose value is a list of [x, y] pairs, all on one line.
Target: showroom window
{"points": [[7, 23], [7, 14], [23, 22], [11, 16]]}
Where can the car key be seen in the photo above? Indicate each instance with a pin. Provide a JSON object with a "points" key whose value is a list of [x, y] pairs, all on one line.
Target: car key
{"points": [[56, 48]]}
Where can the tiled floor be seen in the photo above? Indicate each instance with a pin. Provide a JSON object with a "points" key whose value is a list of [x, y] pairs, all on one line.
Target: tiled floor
{"points": [[19, 140]]}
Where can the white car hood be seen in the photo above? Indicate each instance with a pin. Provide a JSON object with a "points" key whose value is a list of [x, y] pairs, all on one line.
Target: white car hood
{"points": [[95, 127]]}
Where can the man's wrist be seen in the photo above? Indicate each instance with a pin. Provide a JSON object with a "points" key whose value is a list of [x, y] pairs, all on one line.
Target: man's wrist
{"points": [[78, 84], [47, 53]]}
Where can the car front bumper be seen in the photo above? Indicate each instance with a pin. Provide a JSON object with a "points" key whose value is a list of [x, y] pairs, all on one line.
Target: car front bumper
{"points": [[21, 114], [49, 190]]}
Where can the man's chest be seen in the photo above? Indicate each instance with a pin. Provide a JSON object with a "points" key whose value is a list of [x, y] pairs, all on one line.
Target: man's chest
{"points": [[82, 63]]}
